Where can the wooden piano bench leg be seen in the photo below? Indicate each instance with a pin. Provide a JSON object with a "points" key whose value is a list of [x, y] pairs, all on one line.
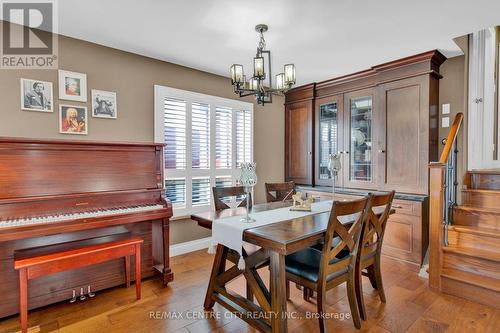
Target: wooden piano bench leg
{"points": [[138, 271], [23, 299], [127, 270]]}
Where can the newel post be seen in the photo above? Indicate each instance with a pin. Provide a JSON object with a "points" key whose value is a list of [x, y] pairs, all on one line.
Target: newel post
{"points": [[436, 208]]}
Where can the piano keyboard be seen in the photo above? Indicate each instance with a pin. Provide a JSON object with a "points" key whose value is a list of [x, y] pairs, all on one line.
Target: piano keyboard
{"points": [[73, 216]]}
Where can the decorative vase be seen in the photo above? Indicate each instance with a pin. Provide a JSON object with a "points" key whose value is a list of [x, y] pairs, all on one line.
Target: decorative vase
{"points": [[248, 179]]}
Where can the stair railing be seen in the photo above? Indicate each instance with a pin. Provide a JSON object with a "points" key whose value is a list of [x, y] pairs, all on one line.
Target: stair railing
{"points": [[442, 198]]}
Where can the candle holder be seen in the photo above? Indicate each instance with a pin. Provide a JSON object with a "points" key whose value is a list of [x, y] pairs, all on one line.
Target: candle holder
{"points": [[248, 179], [334, 167]]}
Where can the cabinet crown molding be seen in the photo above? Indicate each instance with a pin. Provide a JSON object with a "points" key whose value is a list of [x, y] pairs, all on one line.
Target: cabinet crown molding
{"points": [[419, 64], [302, 93]]}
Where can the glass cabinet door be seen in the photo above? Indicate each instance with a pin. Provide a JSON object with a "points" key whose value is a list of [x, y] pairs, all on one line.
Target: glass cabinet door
{"points": [[328, 132], [360, 154]]}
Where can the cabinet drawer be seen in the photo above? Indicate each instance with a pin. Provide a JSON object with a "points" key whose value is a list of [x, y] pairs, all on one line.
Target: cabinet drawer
{"points": [[407, 207]]}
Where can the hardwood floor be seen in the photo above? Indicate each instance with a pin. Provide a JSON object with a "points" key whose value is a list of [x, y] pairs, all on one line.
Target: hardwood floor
{"points": [[410, 307]]}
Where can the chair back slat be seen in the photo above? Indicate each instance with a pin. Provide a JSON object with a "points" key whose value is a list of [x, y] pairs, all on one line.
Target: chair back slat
{"points": [[374, 230], [220, 193], [282, 191], [349, 235]]}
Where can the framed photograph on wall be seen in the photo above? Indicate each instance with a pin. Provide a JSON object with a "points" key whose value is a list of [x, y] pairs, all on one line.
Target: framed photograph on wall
{"points": [[73, 119], [72, 86], [104, 104], [36, 95]]}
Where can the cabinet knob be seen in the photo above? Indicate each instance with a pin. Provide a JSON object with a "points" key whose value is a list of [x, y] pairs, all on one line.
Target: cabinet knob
{"points": [[381, 151], [346, 152], [309, 152]]}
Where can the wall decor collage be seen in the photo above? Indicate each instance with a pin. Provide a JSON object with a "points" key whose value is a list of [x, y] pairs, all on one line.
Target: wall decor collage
{"points": [[37, 95]]}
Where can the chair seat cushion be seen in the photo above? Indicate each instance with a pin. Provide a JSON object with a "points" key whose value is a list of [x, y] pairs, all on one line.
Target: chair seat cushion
{"points": [[305, 264]]}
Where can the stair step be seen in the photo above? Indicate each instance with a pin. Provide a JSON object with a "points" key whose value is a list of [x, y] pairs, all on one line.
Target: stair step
{"points": [[481, 198], [473, 253], [488, 232], [472, 260], [485, 171], [475, 216], [474, 237], [473, 279], [484, 179]]}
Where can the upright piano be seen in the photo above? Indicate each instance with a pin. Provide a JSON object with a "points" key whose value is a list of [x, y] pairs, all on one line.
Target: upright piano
{"points": [[55, 192]]}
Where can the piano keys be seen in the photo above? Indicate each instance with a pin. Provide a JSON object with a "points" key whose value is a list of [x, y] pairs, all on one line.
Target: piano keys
{"points": [[62, 191], [40, 220]]}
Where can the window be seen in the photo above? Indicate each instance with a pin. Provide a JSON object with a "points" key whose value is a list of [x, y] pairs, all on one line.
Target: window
{"points": [[200, 120], [223, 138], [175, 133], [207, 138], [243, 137]]}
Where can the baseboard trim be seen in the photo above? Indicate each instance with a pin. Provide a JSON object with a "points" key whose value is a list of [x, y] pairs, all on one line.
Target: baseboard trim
{"points": [[191, 246]]}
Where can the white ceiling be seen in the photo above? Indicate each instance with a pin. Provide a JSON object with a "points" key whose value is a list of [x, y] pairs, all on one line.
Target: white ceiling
{"points": [[324, 38]]}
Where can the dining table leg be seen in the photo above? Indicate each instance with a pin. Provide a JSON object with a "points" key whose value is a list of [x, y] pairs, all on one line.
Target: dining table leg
{"points": [[278, 292]]}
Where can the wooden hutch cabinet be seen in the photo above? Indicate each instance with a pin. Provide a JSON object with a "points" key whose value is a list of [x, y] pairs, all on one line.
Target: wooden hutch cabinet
{"points": [[384, 123]]}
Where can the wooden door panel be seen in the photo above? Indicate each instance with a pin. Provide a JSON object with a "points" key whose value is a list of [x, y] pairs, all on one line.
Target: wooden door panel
{"points": [[299, 131], [299, 149], [403, 237], [405, 147], [403, 144]]}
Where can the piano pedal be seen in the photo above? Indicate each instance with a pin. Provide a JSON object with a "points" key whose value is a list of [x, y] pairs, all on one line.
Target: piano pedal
{"points": [[82, 295], [73, 299], [89, 293]]}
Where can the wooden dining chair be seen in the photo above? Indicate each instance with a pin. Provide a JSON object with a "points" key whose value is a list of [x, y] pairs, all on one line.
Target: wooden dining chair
{"points": [[370, 251], [323, 270], [226, 192], [282, 191]]}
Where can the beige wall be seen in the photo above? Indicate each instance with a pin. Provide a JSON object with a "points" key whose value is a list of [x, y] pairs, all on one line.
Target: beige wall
{"points": [[133, 77], [453, 89]]}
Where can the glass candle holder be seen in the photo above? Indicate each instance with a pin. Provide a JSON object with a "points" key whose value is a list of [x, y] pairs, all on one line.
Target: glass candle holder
{"points": [[248, 179]]}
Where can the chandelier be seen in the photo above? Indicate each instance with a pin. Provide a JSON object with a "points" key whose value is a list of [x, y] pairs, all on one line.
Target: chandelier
{"points": [[256, 85]]}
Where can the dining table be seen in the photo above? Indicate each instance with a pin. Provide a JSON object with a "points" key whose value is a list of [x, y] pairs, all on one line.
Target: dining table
{"points": [[272, 243]]}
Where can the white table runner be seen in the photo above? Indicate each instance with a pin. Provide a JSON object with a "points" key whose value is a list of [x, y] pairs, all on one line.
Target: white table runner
{"points": [[228, 231]]}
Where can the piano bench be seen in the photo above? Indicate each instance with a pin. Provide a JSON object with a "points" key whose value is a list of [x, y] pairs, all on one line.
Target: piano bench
{"points": [[68, 256]]}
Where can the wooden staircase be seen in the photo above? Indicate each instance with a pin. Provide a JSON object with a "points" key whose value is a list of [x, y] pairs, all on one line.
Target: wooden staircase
{"points": [[470, 264]]}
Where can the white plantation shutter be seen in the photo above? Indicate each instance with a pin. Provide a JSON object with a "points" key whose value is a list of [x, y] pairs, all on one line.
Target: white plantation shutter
{"points": [[243, 137], [224, 181], [207, 138], [223, 138], [175, 190], [200, 146], [200, 191], [175, 133]]}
